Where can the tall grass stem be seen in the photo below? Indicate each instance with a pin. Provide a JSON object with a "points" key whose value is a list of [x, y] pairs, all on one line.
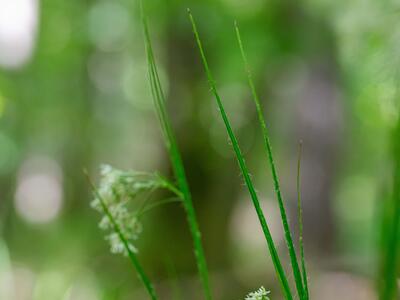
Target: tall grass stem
{"points": [[391, 252], [268, 148], [176, 160], [243, 167]]}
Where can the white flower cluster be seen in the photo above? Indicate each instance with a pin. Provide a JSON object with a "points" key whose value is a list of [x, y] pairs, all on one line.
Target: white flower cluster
{"points": [[260, 294], [117, 189]]}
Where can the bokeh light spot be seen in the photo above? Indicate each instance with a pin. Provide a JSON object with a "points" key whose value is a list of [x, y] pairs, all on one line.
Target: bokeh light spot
{"points": [[108, 25], [18, 21], [38, 198]]}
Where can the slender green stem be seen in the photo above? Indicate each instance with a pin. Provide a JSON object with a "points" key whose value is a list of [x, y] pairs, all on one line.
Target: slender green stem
{"points": [[243, 167], [151, 206], [268, 148], [171, 187], [391, 257], [132, 256], [300, 220], [176, 160]]}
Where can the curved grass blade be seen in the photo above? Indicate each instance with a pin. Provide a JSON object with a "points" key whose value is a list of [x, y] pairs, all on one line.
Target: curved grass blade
{"points": [[243, 167], [176, 160], [300, 220], [268, 149], [132, 256]]}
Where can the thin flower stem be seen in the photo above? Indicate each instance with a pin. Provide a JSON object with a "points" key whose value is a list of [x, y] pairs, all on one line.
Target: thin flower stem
{"points": [[171, 187], [132, 256], [243, 167], [157, 204]]}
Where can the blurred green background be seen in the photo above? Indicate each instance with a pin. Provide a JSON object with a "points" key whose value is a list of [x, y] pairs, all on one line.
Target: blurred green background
{"points": [[74, 94]]}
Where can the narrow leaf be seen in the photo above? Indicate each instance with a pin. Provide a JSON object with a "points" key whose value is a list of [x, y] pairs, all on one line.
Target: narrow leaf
{"points": [[268, 149], [176, 160], [243, 167], [300, 220], [391, 252]]}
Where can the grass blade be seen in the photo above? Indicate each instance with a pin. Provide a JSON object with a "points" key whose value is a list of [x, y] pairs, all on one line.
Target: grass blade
{"points": [[132, 256], [268, 149], [243, 167], [300, 220], [176, 160], [391, 252]]}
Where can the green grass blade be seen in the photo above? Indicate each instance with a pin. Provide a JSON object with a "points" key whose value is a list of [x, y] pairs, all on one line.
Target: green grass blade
{"points": [[268, 148], [388, 289], [275, 258], [300, 220], [132, 256], [176, 161]]}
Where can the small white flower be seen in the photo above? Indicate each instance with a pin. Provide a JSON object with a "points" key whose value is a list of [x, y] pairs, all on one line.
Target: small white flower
{"points": [[116, 191], [260, 294]]}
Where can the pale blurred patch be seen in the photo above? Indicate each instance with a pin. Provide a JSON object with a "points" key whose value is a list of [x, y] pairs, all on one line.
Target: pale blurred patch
{"points": [[252, 258], [136, 86], [246, 230], [82, 289], [338, 285], [16, 282], [50, 285], [6, 280], [24, 282], [108, 25], [18, 26], [106, 72], [39, 193], [356, 199]]}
